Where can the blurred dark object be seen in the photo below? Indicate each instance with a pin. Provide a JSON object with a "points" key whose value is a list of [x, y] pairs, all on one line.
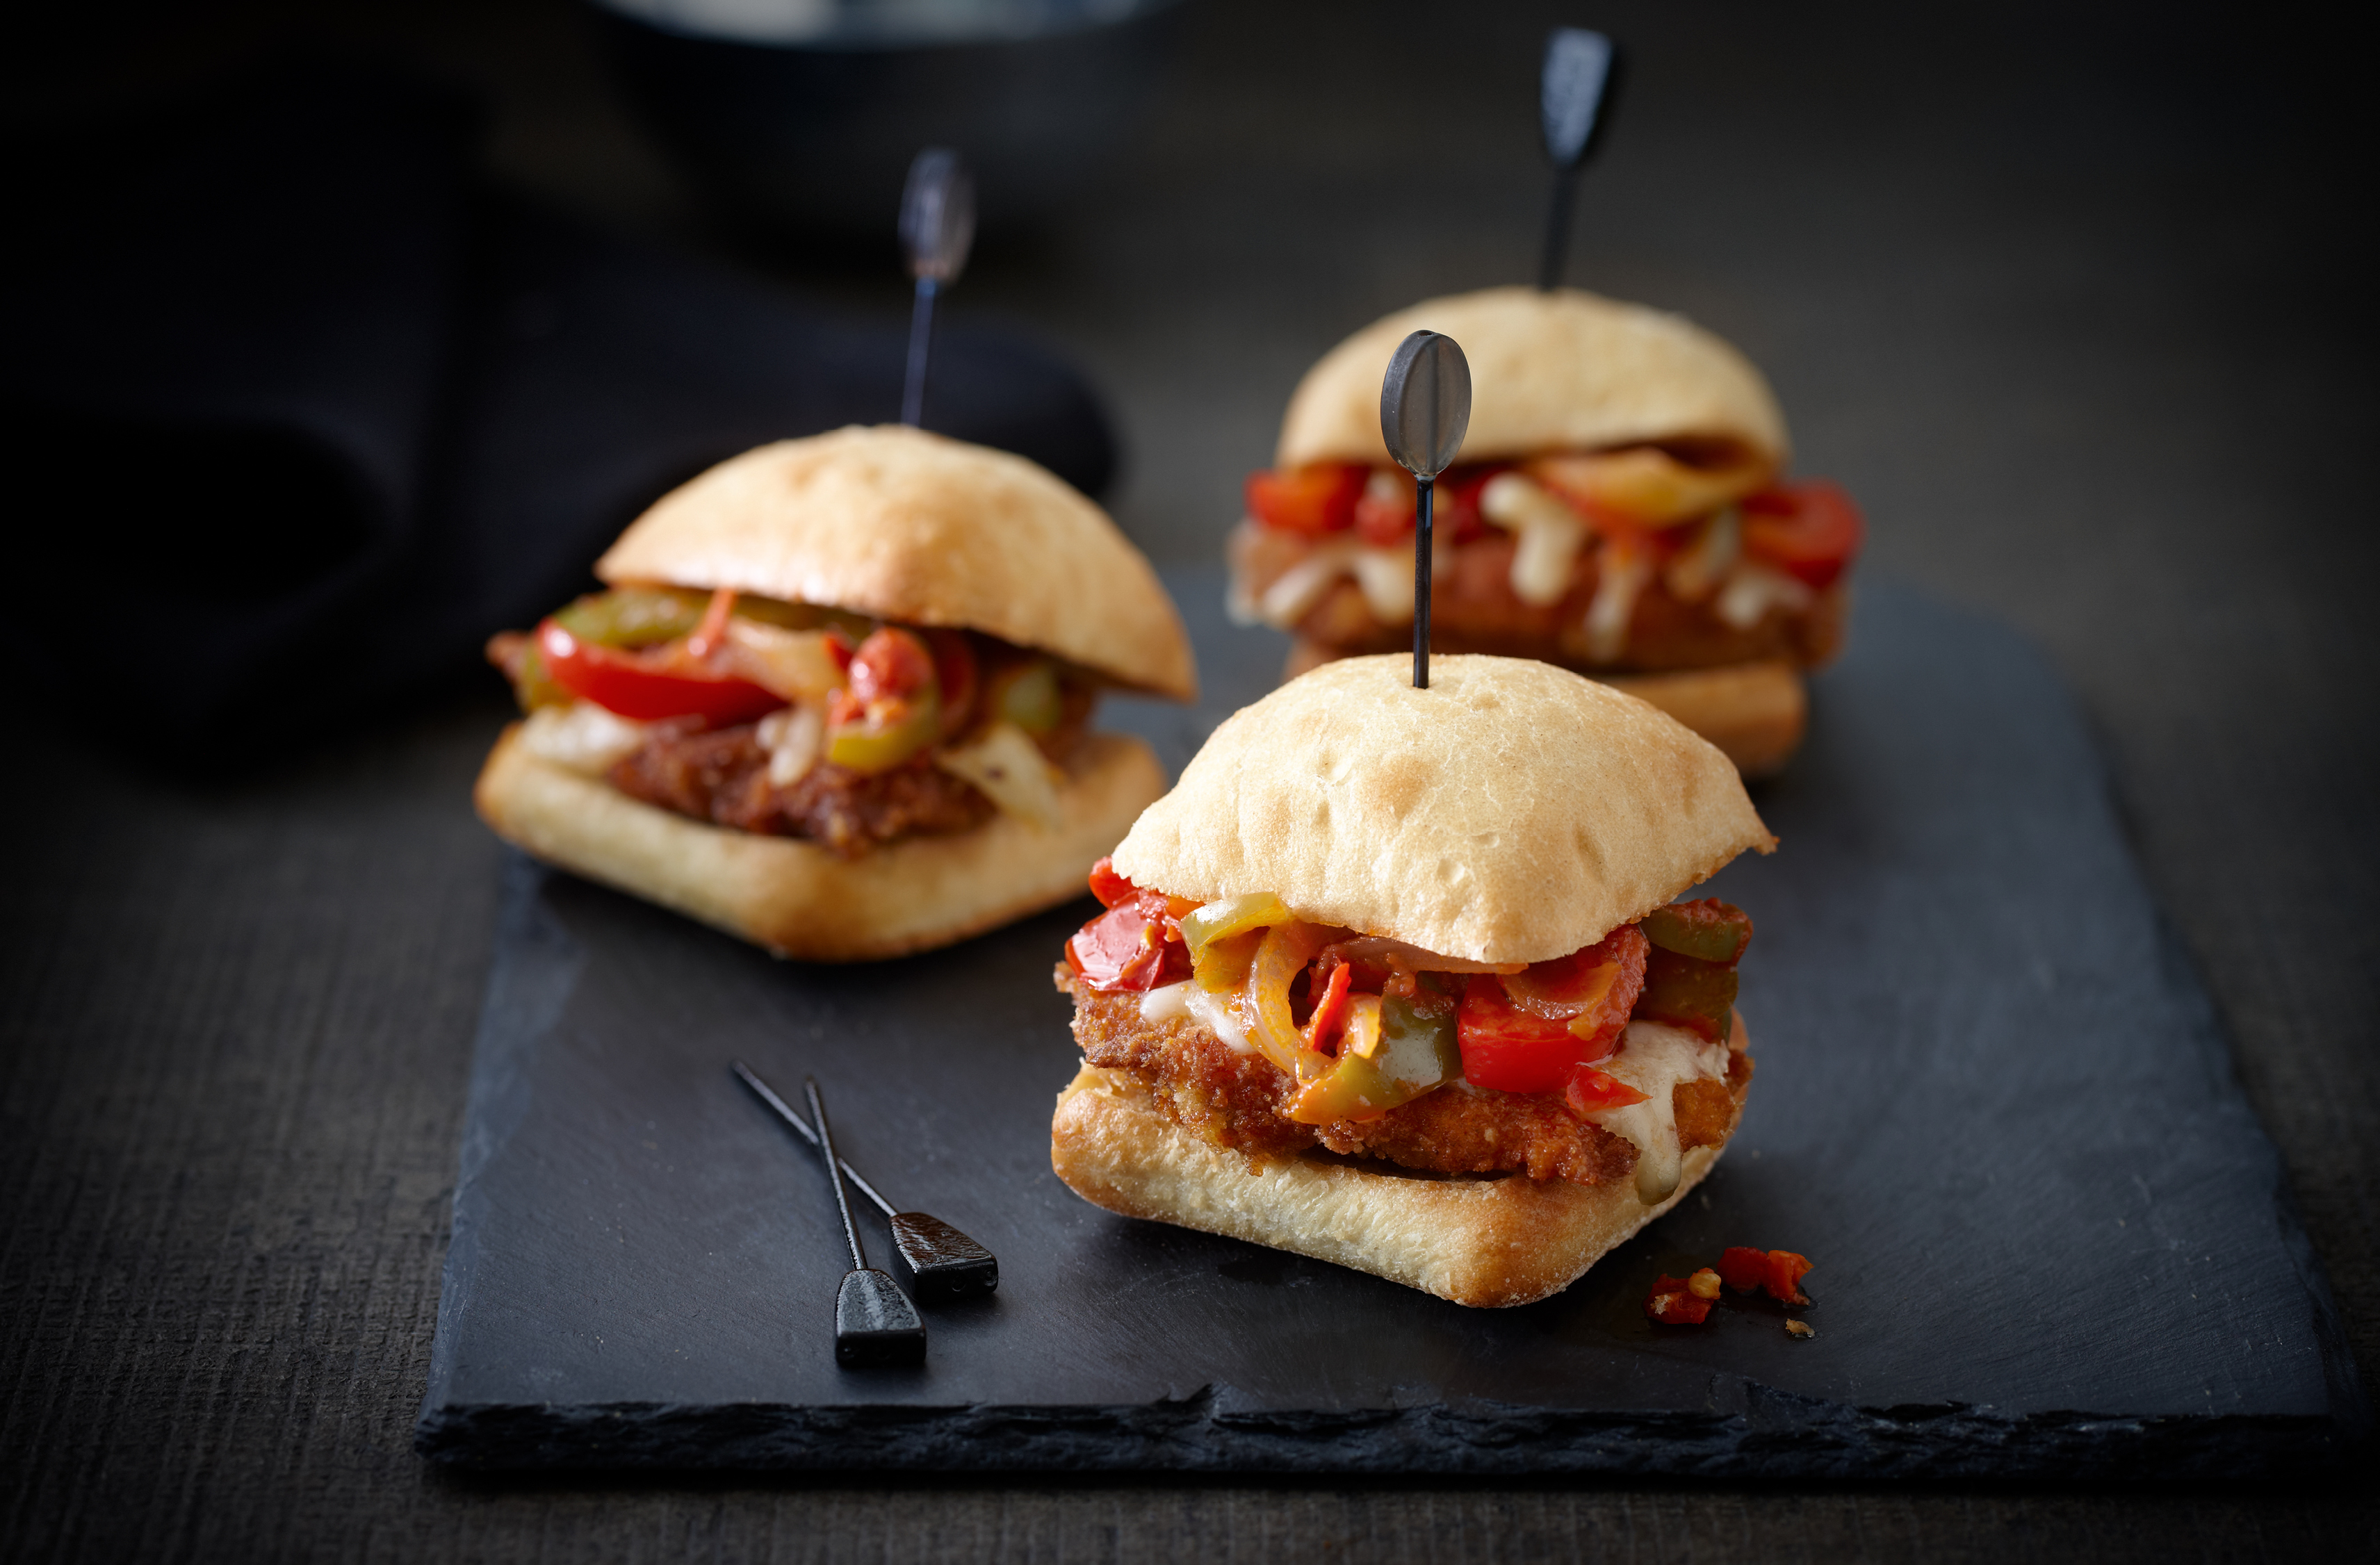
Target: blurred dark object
{"points": [[297, 412], [800, 117]]}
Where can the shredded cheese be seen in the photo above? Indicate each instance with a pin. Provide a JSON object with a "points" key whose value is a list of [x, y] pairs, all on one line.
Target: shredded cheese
{"points": [[582, 736], [1165, 1004], [1547, 536], [1010, 769], [795, 738], [1654, 1059], [1385, 577], [1698, 568], [1620, 578], [1752, 590]]}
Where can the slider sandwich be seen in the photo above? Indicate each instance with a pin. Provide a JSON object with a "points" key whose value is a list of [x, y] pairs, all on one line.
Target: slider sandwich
{"points": [[1393, 979], [1619, 507], [837, 697]]}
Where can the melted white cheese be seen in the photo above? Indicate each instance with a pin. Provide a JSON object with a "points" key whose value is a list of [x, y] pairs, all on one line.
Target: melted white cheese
{"points": [[1752, 589], [1617, 587], [1385, 577], [1225, 1015], [1547, 536], [582, 736], [1167, 1003], [1654, 1059]]}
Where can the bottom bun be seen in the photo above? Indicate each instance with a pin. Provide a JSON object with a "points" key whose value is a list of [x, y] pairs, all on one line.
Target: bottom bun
{"points": [[1754, 712], [796, 898], [1486, 1241]]}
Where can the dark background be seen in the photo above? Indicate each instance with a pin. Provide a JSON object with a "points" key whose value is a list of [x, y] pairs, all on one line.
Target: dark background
{"points": [[2076, 300]]}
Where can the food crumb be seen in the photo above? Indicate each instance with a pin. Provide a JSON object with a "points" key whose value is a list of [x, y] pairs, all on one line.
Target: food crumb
{"points": [[1800, 1328], [1703, 1284]]}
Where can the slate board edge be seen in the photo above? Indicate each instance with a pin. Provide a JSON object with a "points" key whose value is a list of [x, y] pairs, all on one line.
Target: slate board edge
{"points": [[1769, 1434]]}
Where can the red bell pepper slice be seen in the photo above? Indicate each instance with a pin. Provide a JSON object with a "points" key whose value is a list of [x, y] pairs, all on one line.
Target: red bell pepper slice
{"points": [[1810, 530], [1509, 1047], [649, 685], [1109, 887], [1122, 949], [1316, 499], [1590, 1089], [1331, 1011]]}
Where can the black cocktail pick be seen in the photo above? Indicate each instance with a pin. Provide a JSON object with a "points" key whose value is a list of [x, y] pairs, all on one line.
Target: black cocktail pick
{"points": [[1425, 408], [942, 1263], [1575, 94], [875, 1324], [937, 227]]}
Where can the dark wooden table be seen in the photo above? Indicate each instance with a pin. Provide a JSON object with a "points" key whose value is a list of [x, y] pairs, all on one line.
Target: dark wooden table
{"points": [[2077, 304]]}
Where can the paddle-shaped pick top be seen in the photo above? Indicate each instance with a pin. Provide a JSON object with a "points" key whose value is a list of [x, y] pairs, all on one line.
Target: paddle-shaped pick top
{"points": [[937, 216], [1426, 404], [1578, 75]]}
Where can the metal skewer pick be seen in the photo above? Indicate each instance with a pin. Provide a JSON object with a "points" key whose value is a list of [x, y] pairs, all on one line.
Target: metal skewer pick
{"points": [[875, 1324], [943, 1264], [1425, 408], [937, 227], [1581, 76]]}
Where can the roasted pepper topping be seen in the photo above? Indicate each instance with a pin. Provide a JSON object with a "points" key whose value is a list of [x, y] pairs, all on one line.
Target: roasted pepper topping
{"points": [[1708, 931], [892, 708], [1392, 1053]]}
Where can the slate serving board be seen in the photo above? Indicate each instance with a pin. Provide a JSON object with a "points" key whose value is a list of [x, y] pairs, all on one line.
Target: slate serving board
{"points": [[1994, 1106]]}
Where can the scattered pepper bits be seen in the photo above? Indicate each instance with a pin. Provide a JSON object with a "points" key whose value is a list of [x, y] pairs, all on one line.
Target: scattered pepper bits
{"points": [[1778, 1273], [1673, 1304], [1687, 1300]]}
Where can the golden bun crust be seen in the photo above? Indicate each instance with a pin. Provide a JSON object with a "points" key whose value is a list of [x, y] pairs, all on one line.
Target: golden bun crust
{"points": [[1560, 372], [1486, 1243], [1512, 812], [799, 900], [1756, 713], [908, 525]]}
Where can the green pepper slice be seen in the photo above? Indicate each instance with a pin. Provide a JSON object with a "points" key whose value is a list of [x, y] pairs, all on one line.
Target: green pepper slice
{"points": [[1028, 694], [1684, 991], [1391, 1053], [872, 745], [1709, 929], [634, 616]]}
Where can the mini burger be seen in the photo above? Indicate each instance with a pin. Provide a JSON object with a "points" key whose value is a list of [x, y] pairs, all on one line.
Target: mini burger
{"points": [[1393, 979], [837, 697], [1619, 507]]}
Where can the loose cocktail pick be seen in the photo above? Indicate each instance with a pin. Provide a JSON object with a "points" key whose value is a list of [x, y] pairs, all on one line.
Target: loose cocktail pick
{"points": [[1581, 76], [874, 1323], [1425, 408], [942, 1263], [937, 226]]}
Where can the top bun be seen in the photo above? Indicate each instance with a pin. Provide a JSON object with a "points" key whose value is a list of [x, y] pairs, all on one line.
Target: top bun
{"points": [[907, 525], [1512, 812], [1560, 372]]}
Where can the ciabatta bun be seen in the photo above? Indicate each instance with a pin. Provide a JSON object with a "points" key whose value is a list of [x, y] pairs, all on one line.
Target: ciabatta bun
{"points": [[1550, 371], [1512, 812], [903, 525], [1755, 712], [799, 900], [1479, 1241]]}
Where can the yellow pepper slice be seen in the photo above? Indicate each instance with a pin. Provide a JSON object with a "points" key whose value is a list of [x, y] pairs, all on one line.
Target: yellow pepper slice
{"points": [[1223, 963], [1286, 950], [1232, 916]]}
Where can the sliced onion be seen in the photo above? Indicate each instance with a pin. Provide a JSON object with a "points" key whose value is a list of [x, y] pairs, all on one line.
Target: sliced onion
{"points": [[1381, 950]]}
